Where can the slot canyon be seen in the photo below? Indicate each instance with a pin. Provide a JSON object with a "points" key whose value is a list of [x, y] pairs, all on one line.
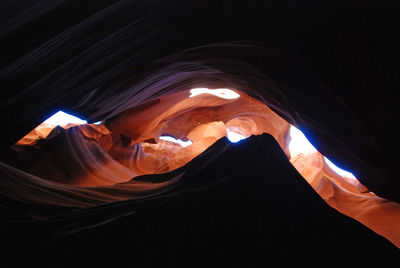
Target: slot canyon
{"points": [[197, 134]]}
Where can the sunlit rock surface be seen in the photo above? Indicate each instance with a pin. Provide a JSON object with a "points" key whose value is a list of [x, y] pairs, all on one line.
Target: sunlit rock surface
{"points": [[166, 134]]}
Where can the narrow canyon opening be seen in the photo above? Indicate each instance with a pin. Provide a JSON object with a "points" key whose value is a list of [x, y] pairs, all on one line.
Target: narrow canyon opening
{"points": [[166, 133]]}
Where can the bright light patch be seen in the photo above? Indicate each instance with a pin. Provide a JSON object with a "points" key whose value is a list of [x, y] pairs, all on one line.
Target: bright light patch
{"points": [[223, 93], [235, 137], [178, 141], [97, 123], [61, 119], [299, 143], [338, 170]]}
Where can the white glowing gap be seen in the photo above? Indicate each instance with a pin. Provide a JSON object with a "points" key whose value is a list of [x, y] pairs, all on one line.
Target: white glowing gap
{"points": [[178, 141], [338, 170], [223, 93], [235, 137], [299, 143], [61, 119]]}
